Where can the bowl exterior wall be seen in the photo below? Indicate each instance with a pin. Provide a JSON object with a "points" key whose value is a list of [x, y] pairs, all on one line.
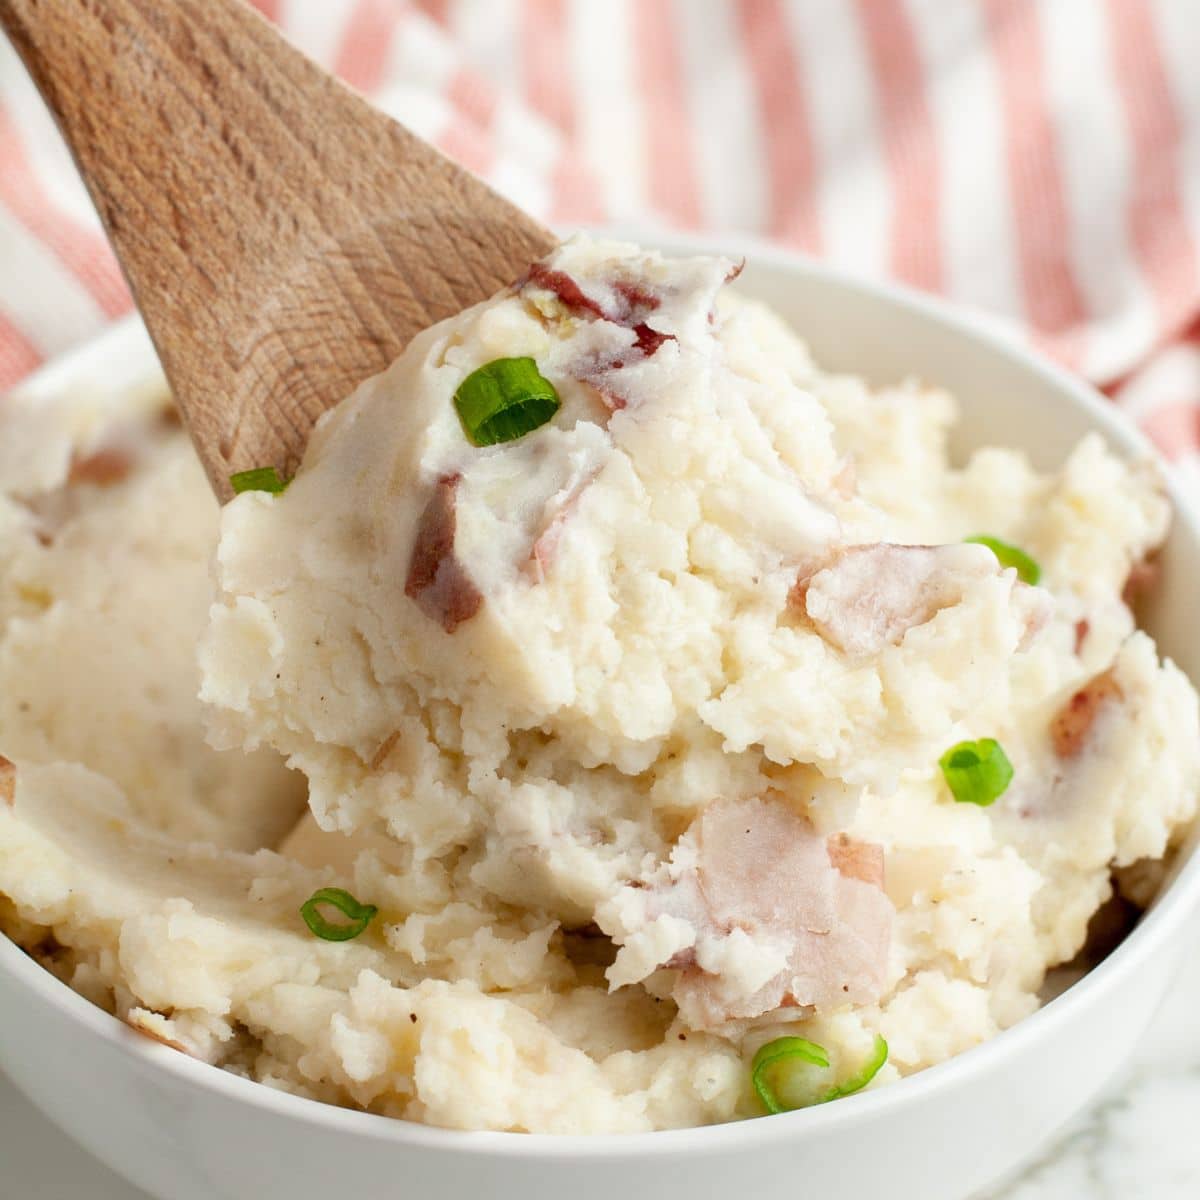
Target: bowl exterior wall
{"points": [[180, 1142]]}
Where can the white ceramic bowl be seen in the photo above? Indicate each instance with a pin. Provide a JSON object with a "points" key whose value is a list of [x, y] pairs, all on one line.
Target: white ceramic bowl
{"points": [[186, 1131]]}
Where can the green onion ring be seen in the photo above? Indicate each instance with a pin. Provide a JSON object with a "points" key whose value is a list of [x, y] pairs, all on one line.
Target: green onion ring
{"points": [[358, 916], [977, 772], [504, 400], [1009, 555], [258, 479]]}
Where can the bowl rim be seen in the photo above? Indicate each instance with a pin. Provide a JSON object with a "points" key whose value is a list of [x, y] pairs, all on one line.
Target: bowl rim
{"points": [[1160, 923]]}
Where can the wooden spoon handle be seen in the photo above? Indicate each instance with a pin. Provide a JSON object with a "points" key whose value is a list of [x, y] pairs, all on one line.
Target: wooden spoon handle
{"points": [[283, 239]]}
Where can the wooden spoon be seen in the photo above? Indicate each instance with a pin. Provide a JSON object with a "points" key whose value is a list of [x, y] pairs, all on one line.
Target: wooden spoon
{"points": [[283, 239]]}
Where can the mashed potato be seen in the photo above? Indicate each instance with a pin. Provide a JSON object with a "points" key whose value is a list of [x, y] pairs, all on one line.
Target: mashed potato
{"points": [[629, 728]]}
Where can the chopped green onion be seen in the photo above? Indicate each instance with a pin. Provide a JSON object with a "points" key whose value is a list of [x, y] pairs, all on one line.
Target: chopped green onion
{"points": [[1010, 556], [259, 479], [977, 772], [358, 916], [790, 1050], [792, 1072], [504, 400], [868, 1071]]}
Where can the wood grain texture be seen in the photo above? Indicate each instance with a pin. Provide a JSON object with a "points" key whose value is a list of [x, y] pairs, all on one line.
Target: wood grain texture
{"points": [[283, 239]]}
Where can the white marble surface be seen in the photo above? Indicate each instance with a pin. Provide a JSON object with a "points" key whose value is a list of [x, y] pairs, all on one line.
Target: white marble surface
{"points": [[1141, 1143]]}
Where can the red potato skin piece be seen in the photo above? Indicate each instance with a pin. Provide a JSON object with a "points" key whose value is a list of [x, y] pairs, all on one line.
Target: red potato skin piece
{"points": [[8, 780], [880, 621], [155, 1037], [564, 287], [611, 401], [907, 586], [1082, 628], [730, 276], [859, 865], [1072, 724], [683, 960], [104, 468], [637, 296], [1143, 577], [845, 482], [545, 546], [436, 579], [798, 593], [649, 340], [385, 748], [638, 302], [856, 860]]}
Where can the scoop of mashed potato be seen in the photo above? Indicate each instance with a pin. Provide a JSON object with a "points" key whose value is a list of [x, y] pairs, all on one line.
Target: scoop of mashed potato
{"points": [[629, 727]]}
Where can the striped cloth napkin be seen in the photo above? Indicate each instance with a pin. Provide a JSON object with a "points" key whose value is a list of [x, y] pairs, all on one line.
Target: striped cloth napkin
{"points": [[1035, 159]]}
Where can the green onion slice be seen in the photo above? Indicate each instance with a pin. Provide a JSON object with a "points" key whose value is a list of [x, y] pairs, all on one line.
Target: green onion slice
{"points": [[504, 400], [795, 1053], [1010, 556], [868, 1071], [792, 1072], [358, 916], [977, 772], [259, 479]]}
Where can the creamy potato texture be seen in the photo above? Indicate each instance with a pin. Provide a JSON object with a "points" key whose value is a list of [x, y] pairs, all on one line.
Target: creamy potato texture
{"points": [[629, 727]]}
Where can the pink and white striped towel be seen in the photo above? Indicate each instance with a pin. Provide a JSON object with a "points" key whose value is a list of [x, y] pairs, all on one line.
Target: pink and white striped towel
{"points": [[1037, 159]]}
